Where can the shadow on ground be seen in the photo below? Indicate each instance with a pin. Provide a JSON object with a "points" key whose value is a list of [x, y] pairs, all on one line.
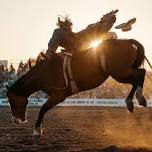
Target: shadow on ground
{"points": [[116, 149]]}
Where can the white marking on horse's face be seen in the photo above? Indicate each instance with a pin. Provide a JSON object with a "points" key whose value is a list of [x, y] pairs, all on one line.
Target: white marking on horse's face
{"points": [[17, 121], [18, 106], [13, 119], [25, 121]]}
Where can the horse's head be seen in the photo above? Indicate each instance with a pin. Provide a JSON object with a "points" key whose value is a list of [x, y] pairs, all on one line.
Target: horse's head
{"points": [[38, 77], [18, 107]]}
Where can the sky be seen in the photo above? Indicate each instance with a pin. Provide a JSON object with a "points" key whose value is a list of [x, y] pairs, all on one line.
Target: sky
{"points": [[27, 25]]}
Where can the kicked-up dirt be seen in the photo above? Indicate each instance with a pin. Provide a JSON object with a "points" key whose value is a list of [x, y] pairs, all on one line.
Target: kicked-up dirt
{"points": [[80, 129]]}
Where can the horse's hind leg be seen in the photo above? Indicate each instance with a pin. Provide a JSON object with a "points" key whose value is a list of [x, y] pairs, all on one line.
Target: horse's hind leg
{"points": [[136, 78], [51, 102], [141, 77], [129, 102], [130, 79]]}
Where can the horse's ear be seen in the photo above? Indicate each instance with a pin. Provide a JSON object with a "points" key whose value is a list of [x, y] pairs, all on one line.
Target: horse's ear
{"points": [[29, 63], [7, 87]]}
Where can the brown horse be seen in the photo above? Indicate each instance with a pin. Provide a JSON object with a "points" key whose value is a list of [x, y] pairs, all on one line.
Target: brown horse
{"points": [[117, 58]]}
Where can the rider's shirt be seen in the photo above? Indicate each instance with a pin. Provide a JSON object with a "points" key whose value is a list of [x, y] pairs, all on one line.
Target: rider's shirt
{"points": [[64, 38]]}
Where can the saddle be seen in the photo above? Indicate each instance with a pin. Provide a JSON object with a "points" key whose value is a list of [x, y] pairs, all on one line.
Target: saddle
{"points": [[67, 70]]}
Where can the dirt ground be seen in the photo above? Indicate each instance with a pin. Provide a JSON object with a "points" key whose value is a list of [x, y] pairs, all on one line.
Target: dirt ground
{"points": [[80, 129]]}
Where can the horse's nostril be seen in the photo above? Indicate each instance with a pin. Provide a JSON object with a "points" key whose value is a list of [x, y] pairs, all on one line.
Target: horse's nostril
{"points": [[25, 121]]}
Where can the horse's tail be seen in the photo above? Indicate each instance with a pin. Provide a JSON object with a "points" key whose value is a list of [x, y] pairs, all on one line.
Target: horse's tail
{"points": [[140, 53]]}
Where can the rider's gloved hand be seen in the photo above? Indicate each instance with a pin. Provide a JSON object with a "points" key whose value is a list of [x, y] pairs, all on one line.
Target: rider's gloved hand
{"points": [[109, 17]]}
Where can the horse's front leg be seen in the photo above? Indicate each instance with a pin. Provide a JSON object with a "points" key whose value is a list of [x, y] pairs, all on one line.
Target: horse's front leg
{"points": [[51, 102]]}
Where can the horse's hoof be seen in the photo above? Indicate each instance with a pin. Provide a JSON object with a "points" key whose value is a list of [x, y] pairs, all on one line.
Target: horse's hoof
{"points": [[141, 99], [37, 133], [130, 105]]}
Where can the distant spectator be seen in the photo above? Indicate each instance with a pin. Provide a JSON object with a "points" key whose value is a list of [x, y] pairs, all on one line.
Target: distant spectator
{"points": [[20, 66], [20, 69], [2, 68], [11, 69]]}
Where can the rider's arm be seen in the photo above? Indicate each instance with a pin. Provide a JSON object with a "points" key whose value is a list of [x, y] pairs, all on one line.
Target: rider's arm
{"points": [[96, 30], [53, 43]]}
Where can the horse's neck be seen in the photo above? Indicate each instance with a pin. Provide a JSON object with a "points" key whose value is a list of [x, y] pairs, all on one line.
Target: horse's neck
{"points": [[30, 82], [24, 88]]}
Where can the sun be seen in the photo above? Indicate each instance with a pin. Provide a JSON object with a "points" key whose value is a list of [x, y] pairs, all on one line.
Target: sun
{"points": [[95, 43]]}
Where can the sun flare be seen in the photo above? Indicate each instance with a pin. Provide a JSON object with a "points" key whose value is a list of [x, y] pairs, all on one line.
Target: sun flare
{"points": [[95, 43]]}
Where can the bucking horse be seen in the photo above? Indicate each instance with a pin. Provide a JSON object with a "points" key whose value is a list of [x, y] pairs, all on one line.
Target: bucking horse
{"points": [[118, 58]]}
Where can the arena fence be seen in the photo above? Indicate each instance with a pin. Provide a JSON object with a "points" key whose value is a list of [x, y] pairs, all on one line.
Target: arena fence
{"points": [[80, 102]]}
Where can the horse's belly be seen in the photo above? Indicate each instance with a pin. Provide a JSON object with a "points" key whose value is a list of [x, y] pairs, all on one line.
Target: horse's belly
{"points": [[87, 73]]}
